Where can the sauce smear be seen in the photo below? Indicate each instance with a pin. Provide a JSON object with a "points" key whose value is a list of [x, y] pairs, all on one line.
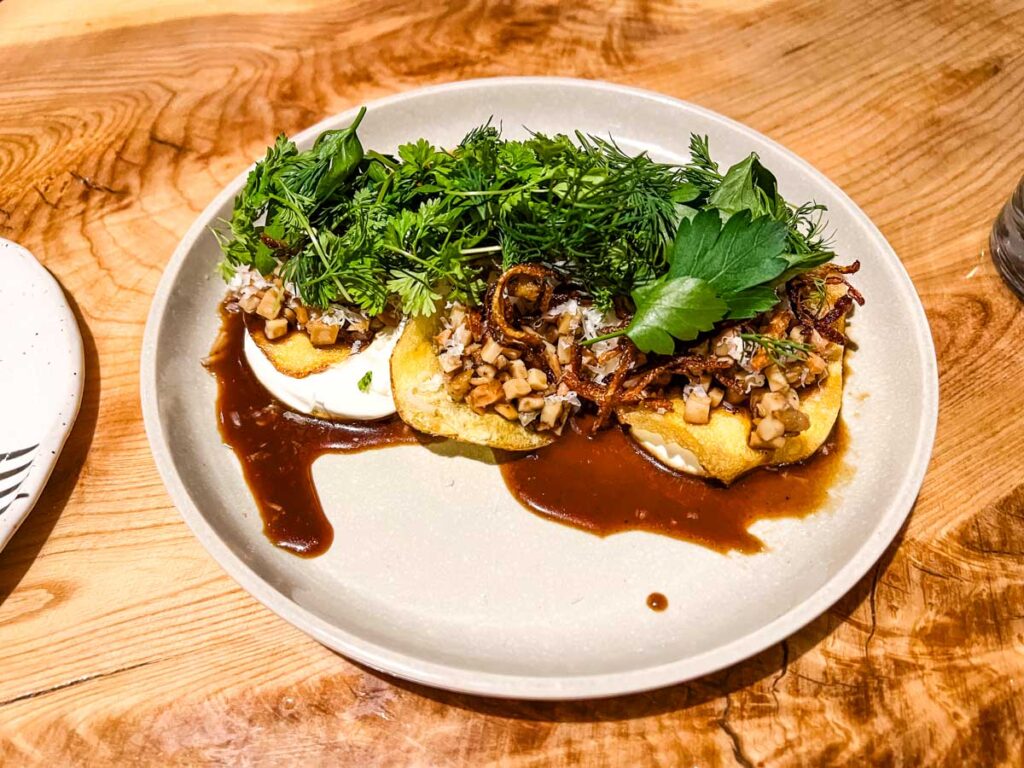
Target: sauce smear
{"points": [[277, 446], [605, 484]]}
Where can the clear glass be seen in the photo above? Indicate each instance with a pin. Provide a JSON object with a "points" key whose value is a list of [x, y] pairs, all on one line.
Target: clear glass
{"points": [[1007, 241]]}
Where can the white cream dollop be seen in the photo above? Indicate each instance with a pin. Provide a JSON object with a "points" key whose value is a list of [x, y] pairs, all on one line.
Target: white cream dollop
{"points": [[667, 452], [335, 391]]}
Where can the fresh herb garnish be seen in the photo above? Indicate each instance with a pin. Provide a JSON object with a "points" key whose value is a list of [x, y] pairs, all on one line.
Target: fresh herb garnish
{"points": [[364, 382], [365, 229], [689, 244], [715, 271], [779, 351]]}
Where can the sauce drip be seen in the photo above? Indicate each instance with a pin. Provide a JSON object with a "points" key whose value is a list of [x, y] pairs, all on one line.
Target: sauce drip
{"points": [[277, 446], [606, 484], [657, 602]]}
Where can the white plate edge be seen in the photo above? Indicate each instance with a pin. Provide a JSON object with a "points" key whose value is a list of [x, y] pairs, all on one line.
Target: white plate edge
{"points": [[52, 441]]}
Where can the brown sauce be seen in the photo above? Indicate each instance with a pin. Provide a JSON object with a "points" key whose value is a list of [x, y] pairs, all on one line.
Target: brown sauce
{"points": [[606, 484], [277, 446], [603, 484], [657, 602]]}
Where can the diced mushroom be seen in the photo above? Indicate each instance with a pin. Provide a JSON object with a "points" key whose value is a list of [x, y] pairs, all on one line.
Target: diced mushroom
{"points": [[270, 305], [518, 369], [816, 364], [516, 388], [500, 362], [792, 399], [770, 428], [776, 378], [249, 303], [697, 409], [457, 315], [507, 410], [511, 353], [794, 375], [301, 315], [442, 338], [565, 322], [484, 395], [321, 334], [716, 394], [551, 358], [531, 403], [564, 350], [275, 329], [490, 351], [551, 412], [537, 379], [734, 397], [724, 344], [447, 362], [770, 403], [459, 385], [462, 335], [794, 420]]}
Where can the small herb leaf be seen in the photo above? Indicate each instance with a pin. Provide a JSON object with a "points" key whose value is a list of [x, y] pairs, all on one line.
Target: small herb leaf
{"points": [[747, 186], [365, 381]]}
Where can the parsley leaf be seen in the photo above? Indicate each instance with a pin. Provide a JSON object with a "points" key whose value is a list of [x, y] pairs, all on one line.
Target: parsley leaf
{"points": [[751, 302], [744, 253], [673, 308], [364, 382]]}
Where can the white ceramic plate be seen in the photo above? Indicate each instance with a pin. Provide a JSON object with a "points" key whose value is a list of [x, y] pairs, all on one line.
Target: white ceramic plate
{"points": [[40, 381], [436, 574]]}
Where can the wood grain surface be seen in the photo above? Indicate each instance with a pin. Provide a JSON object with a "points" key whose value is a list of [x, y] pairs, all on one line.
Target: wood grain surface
{"points": [[122, 642]]}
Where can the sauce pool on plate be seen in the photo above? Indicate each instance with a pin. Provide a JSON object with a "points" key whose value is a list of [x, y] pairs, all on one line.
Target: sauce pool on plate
{"points": [[277, 446], [606, 484]]}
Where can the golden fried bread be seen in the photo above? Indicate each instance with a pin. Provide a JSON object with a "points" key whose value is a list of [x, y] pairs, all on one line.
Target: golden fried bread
{"points": [[424, 404]]}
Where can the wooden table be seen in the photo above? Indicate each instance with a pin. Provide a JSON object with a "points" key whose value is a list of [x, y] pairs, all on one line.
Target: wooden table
{"points": [[121, 641]]}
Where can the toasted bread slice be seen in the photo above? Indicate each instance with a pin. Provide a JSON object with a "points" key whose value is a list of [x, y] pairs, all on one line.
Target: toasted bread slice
{"points": [[294, 354], [424, 404]]}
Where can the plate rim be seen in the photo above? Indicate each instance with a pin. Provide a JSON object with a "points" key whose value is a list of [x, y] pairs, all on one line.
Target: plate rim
{"points": [[54, 435], [466, 680]]}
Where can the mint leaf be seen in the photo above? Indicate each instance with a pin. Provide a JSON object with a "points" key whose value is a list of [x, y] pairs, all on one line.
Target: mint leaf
{"points": [[673, 308], [744, 254], [747, 186], [364, 382], [751, 302]]}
